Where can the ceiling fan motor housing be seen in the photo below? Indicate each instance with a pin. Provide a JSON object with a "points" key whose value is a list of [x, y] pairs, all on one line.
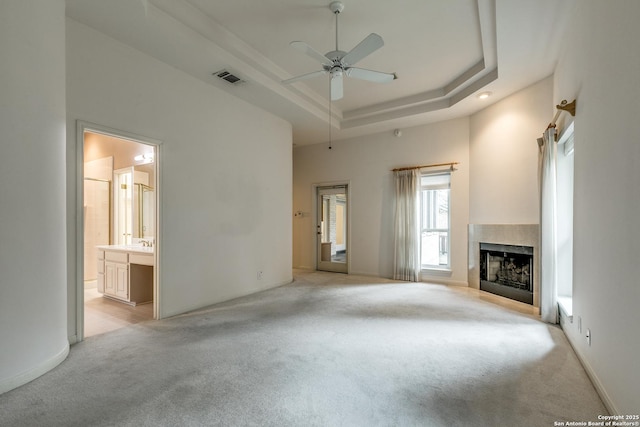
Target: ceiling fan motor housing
{"points": [[335, 55]]}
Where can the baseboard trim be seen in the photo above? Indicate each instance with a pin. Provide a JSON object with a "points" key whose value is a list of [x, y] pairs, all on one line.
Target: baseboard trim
{"points": [[30, 375], [602, 392], [73, 339], [443, 281], [282, 283]]}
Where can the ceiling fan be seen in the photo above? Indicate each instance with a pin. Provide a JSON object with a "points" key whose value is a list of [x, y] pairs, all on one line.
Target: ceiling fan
{"points": [[338, 63]]}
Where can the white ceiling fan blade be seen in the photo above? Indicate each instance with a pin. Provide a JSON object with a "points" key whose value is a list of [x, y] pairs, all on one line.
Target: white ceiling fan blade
{"points": [[336, 86], [370, 44], [370, 75], [305, 76], [309, 51]]}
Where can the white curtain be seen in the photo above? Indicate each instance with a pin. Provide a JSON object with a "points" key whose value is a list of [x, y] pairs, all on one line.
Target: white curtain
{"points": [[406, 263], [548, 234]]}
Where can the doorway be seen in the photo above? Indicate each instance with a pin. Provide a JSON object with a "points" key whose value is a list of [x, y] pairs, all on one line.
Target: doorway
{"points": [[119, 180], [332, 228]]}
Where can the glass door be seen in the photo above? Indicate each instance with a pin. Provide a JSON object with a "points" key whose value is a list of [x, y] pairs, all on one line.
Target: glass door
{"points": [[123, 206], [331, 229]]}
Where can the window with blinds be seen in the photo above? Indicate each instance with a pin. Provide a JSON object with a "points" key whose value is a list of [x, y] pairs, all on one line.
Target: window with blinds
{"points": [[434, 220]]}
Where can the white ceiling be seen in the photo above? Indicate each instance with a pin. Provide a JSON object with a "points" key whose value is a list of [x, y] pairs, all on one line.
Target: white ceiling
{"points": [[444, 53]]}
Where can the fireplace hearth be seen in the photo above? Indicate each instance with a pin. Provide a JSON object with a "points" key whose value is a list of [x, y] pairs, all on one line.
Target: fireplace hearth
{"points": [[507, 270]]}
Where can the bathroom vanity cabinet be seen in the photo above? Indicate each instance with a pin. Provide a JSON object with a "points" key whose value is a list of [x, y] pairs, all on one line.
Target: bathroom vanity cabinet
{"points": [[125, 273]]}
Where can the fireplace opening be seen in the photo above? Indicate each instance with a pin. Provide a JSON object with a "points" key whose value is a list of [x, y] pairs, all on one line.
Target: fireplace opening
{"points": [[507, 270]]}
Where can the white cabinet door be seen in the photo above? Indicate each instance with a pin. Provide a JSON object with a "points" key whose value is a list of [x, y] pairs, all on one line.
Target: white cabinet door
{"points": [[122, 281], [110, 278]]}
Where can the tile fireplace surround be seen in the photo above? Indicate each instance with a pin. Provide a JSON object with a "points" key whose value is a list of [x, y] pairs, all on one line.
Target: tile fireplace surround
{"points": [[507, 234]]}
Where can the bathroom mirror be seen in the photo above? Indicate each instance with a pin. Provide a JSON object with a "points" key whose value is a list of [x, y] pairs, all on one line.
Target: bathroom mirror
{"points": [[146, 211], [133, 207]]}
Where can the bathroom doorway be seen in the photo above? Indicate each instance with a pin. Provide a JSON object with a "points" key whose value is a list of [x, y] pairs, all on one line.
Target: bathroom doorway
{"points": [[118, 280]]}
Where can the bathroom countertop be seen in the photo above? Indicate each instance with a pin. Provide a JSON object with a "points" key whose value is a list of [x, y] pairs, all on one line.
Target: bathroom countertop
{"points": [[127, 248]]}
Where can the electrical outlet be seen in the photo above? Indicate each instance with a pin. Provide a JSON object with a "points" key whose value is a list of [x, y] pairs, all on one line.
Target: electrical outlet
{"points": [[259, 275], [588, 336]]}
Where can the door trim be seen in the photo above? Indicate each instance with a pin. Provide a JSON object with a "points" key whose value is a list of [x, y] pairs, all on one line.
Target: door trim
{"points": [[314, 207], [81, 128]]}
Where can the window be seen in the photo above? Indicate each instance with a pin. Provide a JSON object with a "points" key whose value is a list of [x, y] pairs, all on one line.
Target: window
{"points": [[564, 218], [434, 220]]}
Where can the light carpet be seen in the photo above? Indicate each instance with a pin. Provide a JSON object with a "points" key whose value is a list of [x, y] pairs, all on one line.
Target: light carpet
{"points": [[326, 350]]}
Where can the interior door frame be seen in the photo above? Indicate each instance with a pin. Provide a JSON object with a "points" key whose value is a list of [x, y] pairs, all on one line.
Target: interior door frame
{"points": [[81, 128], [316, 220]]}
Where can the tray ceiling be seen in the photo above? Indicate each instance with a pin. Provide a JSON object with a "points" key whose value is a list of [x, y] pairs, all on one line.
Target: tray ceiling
{"points": [[444, 53]]}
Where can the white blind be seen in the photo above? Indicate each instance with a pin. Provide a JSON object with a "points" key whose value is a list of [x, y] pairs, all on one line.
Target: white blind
{"points": [[436, 181]]}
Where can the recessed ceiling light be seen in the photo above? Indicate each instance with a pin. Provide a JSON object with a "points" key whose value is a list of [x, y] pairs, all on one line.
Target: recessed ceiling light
{"points": [[484, 95]]}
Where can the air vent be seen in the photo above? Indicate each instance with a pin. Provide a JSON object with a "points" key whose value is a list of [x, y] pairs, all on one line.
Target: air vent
{"points": [[228, 77]]}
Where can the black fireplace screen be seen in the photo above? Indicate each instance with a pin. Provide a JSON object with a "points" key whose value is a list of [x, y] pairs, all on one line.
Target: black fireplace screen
{"points": [[507, 270]]}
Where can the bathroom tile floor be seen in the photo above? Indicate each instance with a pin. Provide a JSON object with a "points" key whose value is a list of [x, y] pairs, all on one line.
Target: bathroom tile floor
{"points": [[103, 314]]}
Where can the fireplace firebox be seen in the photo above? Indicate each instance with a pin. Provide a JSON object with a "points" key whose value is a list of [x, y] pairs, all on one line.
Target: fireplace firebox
{"points": [[507, 270]]}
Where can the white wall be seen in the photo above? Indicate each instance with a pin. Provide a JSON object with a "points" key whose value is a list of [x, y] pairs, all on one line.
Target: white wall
{"points": [[366, 163], [225, 171], [600, 66], [504, 156], [33, 335]]}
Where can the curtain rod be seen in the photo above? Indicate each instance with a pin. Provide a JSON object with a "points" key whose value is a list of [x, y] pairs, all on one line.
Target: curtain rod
{"points": [[426, 166], [570, 107]]}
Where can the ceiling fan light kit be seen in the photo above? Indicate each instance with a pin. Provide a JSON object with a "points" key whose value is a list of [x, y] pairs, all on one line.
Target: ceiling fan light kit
{"points": [[338, 63]]}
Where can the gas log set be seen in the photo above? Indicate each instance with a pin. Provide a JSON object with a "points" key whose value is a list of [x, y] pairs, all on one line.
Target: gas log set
{"points": [[507, 270]]}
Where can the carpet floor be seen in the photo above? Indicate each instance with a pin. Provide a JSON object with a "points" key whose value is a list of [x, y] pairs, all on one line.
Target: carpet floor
{"points": [[325, 350]]}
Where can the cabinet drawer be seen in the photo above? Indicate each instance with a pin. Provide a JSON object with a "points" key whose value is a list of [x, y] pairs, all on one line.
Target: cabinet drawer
{"points": [[117, 257], [141, 259]]}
